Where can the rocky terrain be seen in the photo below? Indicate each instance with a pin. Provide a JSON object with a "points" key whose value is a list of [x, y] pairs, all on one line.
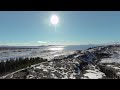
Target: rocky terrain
{"points": [[100, 62]]}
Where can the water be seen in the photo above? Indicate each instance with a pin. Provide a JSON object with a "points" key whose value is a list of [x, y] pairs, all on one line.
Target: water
{"points": [[78, 47], [70, 48], [47, 52]]}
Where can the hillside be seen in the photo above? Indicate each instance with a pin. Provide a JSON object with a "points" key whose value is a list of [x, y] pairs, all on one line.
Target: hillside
{"points": [[102, 62]]}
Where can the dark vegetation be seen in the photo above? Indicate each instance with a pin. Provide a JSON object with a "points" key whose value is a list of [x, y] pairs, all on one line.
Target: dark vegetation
{"points": [[109, 72], [19, 63], [102, 55]]}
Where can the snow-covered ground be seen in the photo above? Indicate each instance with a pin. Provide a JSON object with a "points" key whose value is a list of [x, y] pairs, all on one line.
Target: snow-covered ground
{"points": [[61, 69], [114, 66], [115, 57], [66, 68], [93, 73]]}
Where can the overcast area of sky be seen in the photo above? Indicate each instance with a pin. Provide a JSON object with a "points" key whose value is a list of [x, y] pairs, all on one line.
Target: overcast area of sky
{"points": [[74, 27]]}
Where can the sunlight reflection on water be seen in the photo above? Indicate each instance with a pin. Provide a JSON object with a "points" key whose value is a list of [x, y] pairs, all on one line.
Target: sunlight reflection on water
{"points": [[58, 48]]}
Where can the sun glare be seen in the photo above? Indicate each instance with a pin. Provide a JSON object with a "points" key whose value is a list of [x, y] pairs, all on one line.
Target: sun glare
{"points": [[54, 19]]}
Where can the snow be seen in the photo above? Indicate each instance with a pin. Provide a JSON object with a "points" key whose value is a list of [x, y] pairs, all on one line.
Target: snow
{"points": [[30, 76], [64, 68], [91, 50], [51, 63], [118, 73], [38, 67], [93, 74], [116, 67], [114, 58], [110, 65], [76, 56], [65, 76], [45, 70], [110, 60], [56, 70], [54, 76]]}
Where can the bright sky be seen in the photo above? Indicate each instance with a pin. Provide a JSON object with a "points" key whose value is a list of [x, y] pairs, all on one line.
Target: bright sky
{"points": [[74, 27]]}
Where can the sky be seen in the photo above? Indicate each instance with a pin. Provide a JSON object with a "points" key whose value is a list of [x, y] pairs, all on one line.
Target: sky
{"points": [[74, 27]]}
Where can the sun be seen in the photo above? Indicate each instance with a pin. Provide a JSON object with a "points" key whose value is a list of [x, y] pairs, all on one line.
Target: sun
{"points": [[54, 19]]}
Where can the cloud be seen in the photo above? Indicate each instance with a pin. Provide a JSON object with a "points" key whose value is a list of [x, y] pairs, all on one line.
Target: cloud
{"points": [[42, 42]]}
